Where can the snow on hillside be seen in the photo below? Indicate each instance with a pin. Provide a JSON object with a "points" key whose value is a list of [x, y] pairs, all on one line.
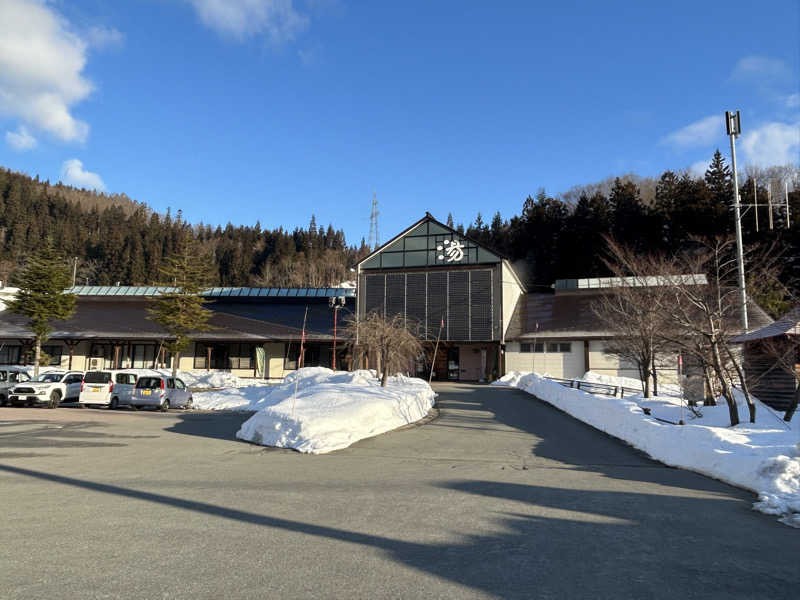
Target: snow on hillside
{"points": [[763, 457], [331, 409]]}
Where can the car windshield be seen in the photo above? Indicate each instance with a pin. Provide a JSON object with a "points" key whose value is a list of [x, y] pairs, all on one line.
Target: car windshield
{"points": [[48, 378]]}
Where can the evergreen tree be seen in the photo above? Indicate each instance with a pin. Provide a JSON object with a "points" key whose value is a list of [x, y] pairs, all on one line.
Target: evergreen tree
{"points": [[181, 310], [41, 298], [719, 181]]}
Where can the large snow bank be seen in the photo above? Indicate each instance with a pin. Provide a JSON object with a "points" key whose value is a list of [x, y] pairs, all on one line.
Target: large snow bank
{"points": [[204, 379], [331, 409], [763, 457]]}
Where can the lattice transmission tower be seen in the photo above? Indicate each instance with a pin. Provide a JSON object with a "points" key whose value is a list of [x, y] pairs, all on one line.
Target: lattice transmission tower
{"points": [[374, 238]]}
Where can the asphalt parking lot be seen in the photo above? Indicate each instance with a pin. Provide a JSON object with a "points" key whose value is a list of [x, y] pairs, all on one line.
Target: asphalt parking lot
{"points": [[501, 496]]}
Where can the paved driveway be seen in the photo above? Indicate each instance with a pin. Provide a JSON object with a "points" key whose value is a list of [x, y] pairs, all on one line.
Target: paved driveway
{"points": [[502, 496]]}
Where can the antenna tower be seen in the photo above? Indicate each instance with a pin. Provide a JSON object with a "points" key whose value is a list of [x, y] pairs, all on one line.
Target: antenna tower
{"points": [[374, 238]]}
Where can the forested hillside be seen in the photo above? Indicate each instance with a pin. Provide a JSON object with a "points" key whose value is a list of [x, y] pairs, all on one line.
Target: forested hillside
{"points": [[562, 237], [119, 240]]}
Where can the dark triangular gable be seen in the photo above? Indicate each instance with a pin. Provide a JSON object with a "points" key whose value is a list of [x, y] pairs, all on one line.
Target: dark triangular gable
{"points": [[429, 243]]}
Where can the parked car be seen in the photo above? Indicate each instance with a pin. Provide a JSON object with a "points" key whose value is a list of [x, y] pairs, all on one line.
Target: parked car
{"points": [[9, 377], [51, 388], [107, 388], [161, 391]]}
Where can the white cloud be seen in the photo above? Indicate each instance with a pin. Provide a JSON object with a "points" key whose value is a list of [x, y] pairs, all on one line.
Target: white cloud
{"points": [[700, 133], [760, 69], [41, 69], [773, 143], [73, 173], [104, 37], [699, 168], [277, 19], [21, 139]]}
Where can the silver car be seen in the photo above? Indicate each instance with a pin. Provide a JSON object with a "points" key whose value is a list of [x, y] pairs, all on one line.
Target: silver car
{"points": [[162, 392], [9, 377]]}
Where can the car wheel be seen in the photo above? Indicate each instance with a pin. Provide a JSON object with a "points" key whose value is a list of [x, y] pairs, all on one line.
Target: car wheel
{"points": [[164, 406], [189, 404], [55, 398], [3, 400], [114, 404], [29, 402]]}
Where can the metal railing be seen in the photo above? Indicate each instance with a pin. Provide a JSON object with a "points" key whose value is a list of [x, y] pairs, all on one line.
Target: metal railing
{"points": [[592, 387]]}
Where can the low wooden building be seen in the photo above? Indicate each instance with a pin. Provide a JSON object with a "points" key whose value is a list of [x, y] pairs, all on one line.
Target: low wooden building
{"points": [[256, 332], [772, 360]]}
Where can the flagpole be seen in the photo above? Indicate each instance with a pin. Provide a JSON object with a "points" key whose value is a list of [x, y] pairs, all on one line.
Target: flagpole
{"points": [[435, 350], [300, 361]]}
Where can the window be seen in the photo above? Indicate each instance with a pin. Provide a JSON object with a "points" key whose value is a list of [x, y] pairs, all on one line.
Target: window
{"points": [[224, 356], [97, 377], [538, 347], [73, 379], [126, 378], [9, 355], [18, 377], [559, 347], [148, 383], [524, 347], [565, 347], [292, 355], [179, 384], [171, 383], [54, 352]]}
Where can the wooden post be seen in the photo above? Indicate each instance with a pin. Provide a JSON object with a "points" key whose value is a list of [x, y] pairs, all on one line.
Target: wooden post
{"points": [[116, 356], [208, 358]]}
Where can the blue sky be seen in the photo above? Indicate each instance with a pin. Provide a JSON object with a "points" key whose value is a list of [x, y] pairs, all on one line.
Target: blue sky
{"points": [[271, 110]]}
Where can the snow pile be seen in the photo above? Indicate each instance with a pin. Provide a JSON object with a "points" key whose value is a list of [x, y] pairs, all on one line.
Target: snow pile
{"points": [[629, 382], [763, 457], [203, 379], [331, 410]]}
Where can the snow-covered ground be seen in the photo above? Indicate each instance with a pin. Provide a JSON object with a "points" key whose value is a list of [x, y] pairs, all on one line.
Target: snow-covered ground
{"points": [[323, 410], [763, 456]]}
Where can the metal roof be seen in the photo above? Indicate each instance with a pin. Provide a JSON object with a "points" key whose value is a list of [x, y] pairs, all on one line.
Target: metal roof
{"points": [[215, 292]]}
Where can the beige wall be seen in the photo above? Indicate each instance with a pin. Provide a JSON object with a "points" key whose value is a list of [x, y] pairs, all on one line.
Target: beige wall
{"points": [[274, 359], [511, 291], [561, 364]]}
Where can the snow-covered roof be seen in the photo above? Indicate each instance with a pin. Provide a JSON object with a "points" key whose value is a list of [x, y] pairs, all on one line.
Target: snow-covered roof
{"points": [[215, 292], [789, 324]]}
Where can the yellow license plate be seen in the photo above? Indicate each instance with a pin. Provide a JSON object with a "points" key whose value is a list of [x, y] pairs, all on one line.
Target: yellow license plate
{"points": [[94, 389], [145, 392]]}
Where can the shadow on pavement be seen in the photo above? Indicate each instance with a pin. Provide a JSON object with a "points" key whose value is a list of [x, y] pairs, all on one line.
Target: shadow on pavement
{"points": [[219, 425], [544, 554]]}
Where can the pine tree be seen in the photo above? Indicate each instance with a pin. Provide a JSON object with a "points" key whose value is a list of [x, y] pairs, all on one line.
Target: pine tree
{"points": [[181, 310], [41, 296], [718, 179]]}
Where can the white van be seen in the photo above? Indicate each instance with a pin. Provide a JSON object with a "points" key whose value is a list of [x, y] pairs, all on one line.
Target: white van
{"points": [[107, 388]]}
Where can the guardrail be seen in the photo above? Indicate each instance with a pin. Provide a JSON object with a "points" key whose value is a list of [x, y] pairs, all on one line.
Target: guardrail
{"points": [[592, 387]]}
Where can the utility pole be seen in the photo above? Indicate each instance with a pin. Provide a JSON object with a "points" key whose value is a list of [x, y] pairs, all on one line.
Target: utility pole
{"points": [[769, 199], [786, 195], [755, 200], [75, 268], [734, 128]]}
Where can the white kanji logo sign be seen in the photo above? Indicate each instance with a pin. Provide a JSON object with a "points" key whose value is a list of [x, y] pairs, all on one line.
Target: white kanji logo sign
{"points": [[451, 251]]}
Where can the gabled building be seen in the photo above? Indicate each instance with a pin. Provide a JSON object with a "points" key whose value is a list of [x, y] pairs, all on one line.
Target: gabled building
{"points": [[451, 289], [256, 332]]}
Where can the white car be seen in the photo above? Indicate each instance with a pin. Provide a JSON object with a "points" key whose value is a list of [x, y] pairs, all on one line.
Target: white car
{"points": [[107, 388], [49, 388], [9, 377]]}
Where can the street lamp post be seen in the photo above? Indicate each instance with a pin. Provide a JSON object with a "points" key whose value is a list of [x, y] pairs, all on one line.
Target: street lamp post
{"points": [[733, 127], [336, 303]]}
